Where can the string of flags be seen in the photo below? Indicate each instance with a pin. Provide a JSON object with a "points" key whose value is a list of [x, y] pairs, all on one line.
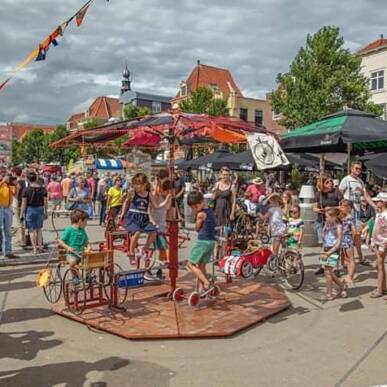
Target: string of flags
{"points": [[39, 53]]}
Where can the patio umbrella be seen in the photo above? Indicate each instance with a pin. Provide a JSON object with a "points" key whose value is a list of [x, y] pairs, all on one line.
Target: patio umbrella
{"points": [[345, 131], [378, 165], [245, 161]]}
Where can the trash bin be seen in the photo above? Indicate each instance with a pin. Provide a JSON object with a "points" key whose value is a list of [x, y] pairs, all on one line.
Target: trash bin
{"points": [[309, 217]]}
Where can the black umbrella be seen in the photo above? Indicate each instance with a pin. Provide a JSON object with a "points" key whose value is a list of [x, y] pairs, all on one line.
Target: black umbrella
{"points": [[378, 165], [245, 161], [347, 130]]}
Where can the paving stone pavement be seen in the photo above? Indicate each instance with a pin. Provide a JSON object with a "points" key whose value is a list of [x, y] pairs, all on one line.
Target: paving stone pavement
{"points": [[313, 343]]}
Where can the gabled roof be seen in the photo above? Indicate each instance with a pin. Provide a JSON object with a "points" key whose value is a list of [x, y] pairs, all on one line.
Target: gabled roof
{"points": [[207, 76], [20, 130], [376, 45], [105, 108]]}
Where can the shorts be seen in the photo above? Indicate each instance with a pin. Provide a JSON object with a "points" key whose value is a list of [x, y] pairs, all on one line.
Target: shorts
{"points": [[331, 261], [277, 230], [56, 202], [134, 227], [347, 242], [202, 251], [378, 247], [71, 258], [160, 243]]}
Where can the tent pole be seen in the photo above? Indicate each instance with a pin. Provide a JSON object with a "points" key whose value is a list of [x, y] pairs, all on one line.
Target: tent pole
{"points": [[349, 149], [322, 164]]}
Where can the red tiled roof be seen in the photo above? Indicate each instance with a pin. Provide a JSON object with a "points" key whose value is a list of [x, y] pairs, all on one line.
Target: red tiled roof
{"points": [[75, 119], [20, 130], [105, 108], [373, 46], [206, 76]]}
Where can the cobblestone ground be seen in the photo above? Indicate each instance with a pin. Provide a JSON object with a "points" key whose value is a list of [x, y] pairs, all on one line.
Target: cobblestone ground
{"points": [[311, 344]]}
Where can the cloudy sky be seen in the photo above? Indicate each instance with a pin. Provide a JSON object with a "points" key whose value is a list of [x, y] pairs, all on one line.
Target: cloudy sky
{"points": [[161, 41]]}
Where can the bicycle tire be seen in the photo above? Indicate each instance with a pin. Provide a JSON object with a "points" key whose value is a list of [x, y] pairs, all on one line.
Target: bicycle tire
{"points": [[53, 290], [260, 150], [292, 269], [74, 295]]}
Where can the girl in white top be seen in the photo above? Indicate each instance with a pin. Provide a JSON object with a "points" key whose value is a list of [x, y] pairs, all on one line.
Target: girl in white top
{"points": [[275, 217], [379, 240]]}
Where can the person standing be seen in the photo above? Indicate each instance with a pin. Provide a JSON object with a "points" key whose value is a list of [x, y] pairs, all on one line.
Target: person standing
{"points": [[34, 209], [81, 196], [114, 199], [256, 189], [7, 193], [54, 190], [327, 196], [21, 184], [352, 188], [66, 187], [225, 198]]}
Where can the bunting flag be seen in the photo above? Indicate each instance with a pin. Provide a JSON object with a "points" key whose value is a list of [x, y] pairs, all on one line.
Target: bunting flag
{"points": [[40, 52], [81, 13]]}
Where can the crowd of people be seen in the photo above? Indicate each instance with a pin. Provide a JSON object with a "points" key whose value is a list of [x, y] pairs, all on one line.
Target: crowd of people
{"points": [[350, 215]]}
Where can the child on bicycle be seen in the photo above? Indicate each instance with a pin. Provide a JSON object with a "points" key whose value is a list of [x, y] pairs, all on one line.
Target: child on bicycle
{"points": [[275, 217], [74, 238], [349, 230], [329, 258], [295, 229], [203, 249]]}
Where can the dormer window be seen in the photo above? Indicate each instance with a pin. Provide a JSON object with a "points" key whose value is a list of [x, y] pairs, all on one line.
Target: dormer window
{"points": [[214, 88], [183, 89]]}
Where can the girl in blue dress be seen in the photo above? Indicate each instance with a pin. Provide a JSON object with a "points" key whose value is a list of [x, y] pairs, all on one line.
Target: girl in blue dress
{"points": [[329, 259], [136, 214]]}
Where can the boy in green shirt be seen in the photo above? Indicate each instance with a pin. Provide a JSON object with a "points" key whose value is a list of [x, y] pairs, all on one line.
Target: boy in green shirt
{"points": [[74, 238]]}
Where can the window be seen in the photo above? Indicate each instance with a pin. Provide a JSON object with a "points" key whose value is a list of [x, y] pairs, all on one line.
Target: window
{"points": [[276, 115], [156, 107], [377, 80], [258, 118], [243, 114], [183, 89], [214, 88]]}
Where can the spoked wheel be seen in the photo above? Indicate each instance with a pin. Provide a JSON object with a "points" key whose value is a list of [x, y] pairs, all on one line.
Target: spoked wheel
{"points": [[272, 263], [246, 269], [114, 279], [178, 295], [74, 292], [292, 269], [53, 290], [194, 299], [257, 270]]}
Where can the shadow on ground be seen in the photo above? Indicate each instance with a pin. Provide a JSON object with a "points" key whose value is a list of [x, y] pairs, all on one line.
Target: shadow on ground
{"points": [[116, 371]]}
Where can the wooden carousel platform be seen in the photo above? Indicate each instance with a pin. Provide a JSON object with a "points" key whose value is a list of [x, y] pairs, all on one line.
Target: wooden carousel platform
{"points": [[151, 315]]}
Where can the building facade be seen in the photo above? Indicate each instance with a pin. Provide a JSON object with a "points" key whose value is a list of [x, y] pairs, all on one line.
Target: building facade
{"points": [[374, 66], [154, 102], [222, 84]]}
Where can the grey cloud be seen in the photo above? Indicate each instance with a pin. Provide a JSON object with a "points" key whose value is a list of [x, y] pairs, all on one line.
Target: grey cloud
{"points": [[161, 41]]}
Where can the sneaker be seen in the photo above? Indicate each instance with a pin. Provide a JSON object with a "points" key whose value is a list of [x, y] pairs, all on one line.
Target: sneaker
{"points": [[148, 276], [11, 256], [319, 271]]}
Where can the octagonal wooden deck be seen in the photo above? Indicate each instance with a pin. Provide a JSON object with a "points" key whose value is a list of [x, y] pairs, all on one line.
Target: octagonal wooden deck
{"points": [[151, 315]]}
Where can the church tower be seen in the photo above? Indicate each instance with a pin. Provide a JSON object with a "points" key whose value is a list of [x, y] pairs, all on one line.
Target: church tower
{"points": [[125, 80]]}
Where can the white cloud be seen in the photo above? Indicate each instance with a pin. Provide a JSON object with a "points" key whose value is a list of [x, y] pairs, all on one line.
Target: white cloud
{"points": [[161, 41]]}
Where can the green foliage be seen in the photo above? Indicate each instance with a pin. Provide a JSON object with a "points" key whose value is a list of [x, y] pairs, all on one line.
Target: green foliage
{"points": [[131, 112], [93, 123], [323, 78], [296, 178], [203, 101], [34, 147]]}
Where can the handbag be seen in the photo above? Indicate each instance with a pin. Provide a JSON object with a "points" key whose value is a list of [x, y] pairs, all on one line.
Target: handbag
{"points": [[70, 205]]}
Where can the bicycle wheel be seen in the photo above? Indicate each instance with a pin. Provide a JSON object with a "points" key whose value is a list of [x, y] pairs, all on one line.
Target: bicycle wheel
{"points": [[264, 153], [74, 292], [257, 270], [292, 269], [113, 279], [53, 290]]}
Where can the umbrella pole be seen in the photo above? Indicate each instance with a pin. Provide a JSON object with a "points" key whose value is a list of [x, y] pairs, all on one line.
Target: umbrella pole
{"points": [[349, 149], [173, 228], [322, 164]]}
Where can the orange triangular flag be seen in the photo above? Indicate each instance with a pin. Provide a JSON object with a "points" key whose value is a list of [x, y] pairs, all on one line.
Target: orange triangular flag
{"points": [[81, 14]]}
